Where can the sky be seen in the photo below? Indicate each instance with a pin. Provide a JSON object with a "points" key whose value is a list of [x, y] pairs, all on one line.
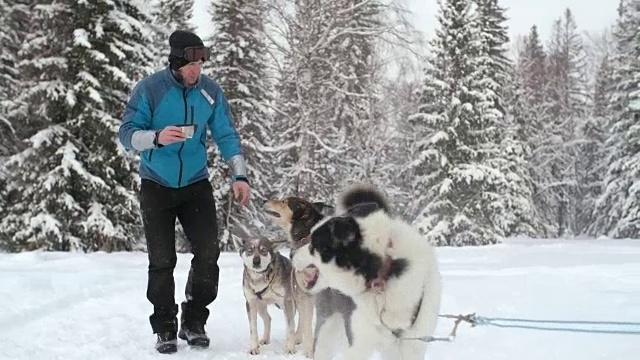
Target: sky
{"points": [[591, 15]]}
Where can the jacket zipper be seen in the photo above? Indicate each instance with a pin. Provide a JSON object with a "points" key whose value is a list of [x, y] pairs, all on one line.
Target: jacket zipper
{"points": [[186, 117]]}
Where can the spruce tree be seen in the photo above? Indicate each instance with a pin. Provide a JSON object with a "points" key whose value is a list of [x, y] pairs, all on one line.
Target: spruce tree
{"points": [[176, 15], [491, 19], [458, 187], [568, 96], [513, 205], [14, 13], [617, 210], [72, 188], [590, 164], [530, 106]]}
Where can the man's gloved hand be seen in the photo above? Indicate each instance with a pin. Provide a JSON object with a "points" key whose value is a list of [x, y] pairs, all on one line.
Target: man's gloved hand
{"points": [[241, 191]]}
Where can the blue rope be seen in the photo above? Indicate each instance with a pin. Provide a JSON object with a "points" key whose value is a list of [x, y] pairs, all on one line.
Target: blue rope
{"points": [[519, 323], [621, 323], [526, 324]]}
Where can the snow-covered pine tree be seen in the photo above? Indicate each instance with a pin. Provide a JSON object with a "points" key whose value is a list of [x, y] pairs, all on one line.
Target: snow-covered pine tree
{"points": [[14, 13], [176, 15], [568, 91], [530, 107], [513, 205], [592, 132], [527, 106], [72, 189], [459, 189], [50, 66], [617, 211], [531, 63], [603, 87], [519, 132], [239, 64], [4, 205], [494, 38]]}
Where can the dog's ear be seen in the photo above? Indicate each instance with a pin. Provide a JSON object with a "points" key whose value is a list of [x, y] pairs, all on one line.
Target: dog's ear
{"points": [[277, 245], [320, 206], [363, 209], [299, 209]]}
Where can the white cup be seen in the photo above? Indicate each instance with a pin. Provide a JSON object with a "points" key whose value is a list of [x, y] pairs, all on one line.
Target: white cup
{"points": [[189, 130]]}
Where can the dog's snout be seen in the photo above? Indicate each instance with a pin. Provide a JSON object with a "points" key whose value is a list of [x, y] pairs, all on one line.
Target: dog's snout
{"points": [[256, 260]]}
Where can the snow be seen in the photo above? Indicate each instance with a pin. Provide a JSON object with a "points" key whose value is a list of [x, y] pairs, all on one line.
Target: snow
{"points": [[81, 38], [43, 137], [80, 306]]}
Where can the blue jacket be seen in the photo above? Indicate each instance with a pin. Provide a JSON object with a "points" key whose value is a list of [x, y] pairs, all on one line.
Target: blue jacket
{"points": [[160, 100]]}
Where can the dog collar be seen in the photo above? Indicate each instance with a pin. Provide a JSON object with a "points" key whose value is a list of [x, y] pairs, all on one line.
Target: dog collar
{"points": [[306, 239], [303, 241]]}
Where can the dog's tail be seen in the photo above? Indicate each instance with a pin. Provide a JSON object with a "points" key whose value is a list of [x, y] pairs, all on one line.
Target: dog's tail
{"points": [[362, 198]]}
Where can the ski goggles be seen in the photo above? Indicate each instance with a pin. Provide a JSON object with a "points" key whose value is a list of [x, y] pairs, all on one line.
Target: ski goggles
{"points": [[192, 54]]}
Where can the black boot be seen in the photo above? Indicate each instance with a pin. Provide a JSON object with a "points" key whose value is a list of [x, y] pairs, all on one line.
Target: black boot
{"points": [[192, 322], [194, 334], [167, 343]]}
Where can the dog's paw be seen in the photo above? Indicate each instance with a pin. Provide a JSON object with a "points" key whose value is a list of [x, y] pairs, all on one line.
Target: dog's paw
{"points": [[254, 351], [308, 353], [289, 349], [265, 341]]}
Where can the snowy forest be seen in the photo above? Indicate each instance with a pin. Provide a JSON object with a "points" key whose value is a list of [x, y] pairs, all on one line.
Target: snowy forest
{"points": [[473, 135]]}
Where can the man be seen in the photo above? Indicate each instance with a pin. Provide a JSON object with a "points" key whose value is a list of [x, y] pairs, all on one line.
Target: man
{"points": [[166, 120]]}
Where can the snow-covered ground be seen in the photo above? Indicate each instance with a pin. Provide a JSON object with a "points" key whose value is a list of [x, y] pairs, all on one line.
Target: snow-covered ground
{"points": [[93, 306]]}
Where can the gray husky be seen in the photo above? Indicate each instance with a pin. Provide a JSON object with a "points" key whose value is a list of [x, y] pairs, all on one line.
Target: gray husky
{"points": [[267, 280]]}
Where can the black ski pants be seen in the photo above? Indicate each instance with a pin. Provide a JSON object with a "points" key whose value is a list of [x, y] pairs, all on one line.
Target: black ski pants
{"points": [[194, 207]]}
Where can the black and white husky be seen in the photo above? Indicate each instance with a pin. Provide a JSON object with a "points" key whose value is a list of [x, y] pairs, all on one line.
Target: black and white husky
{"points": [[387, 268]]}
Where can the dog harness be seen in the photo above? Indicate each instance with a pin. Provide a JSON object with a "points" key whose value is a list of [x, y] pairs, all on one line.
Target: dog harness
{"points": [[268, 272], [416, 311]]}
